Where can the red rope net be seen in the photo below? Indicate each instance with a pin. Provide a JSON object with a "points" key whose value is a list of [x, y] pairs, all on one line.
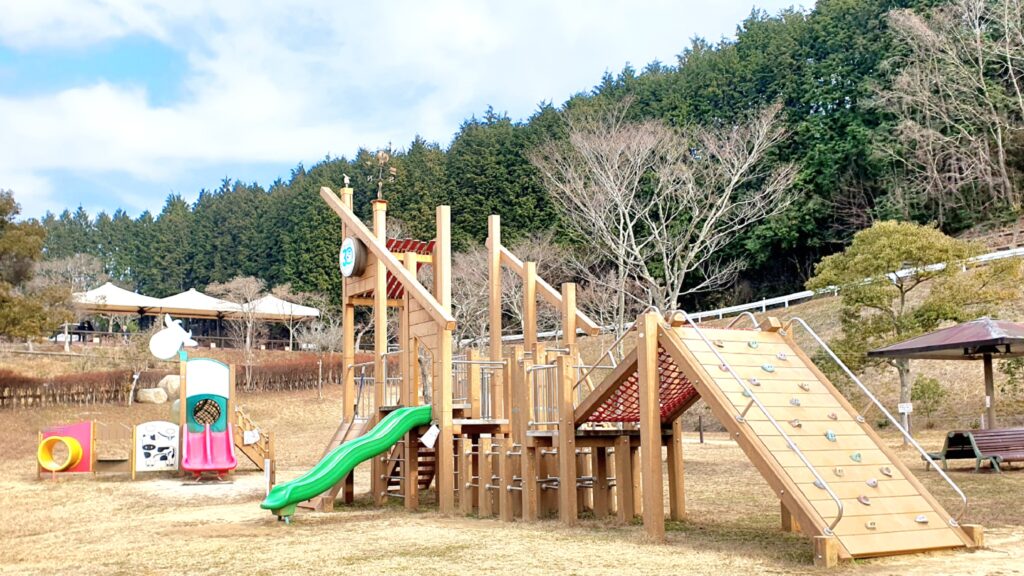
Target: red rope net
{"points": [[623, 405]]}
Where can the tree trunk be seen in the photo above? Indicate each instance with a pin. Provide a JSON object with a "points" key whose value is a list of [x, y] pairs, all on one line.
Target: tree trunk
{"points": [[903, 366]]}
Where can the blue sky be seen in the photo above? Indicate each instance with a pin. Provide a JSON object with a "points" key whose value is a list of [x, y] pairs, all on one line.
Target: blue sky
{"points": [[118, 103]]}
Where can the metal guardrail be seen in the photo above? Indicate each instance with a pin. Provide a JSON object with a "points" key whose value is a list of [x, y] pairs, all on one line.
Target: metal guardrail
{"points": [[545, 394], [893, 420], [754, 400]]}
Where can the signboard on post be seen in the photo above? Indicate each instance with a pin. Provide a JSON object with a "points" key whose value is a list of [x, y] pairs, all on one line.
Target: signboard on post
{"points": [[352, 257], [905, 408]]}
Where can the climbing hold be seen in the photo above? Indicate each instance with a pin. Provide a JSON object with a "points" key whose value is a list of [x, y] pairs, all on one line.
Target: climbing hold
{"points": [[768, 368], [887, 471], [921, 519], [746, 393], [804, 386], [838, 471], [860, 419], [752, 344], [796, 423], [794, 401], [781, 355], [870, 525], [755, 382], [819, 484], [718, 343], [830, 435], [856, 457], [723, 367], [864, 500], [872, 482], [833, 416], [782, 331]]}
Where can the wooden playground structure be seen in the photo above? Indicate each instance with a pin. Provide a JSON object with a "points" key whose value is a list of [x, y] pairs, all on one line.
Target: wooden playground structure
{"points": [[532, 431]]}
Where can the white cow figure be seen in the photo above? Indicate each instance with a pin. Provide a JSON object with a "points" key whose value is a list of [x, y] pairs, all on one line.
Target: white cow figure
{"points": [[166, 343]]}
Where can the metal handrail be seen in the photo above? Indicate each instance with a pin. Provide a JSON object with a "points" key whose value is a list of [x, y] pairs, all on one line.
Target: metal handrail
{"points": [[602, 357], [542, 403], [892, 419], [755, 400], [753, 320]]}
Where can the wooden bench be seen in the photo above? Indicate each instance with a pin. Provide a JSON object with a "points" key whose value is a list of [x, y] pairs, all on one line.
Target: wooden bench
{"points": [[997, 446]]}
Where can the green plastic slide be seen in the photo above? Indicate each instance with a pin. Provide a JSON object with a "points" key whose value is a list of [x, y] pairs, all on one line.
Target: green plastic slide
{"points": [[343, 459]]}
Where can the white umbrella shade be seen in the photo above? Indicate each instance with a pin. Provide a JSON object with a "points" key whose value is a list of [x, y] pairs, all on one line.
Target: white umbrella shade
{"points": [[109, 298]]}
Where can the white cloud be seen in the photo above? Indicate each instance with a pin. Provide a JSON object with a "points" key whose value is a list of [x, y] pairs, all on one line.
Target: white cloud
{"points": [[284, 83]]}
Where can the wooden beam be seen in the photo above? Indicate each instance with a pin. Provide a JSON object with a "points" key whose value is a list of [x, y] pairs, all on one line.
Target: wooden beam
{"points": [[546, 291], [392, 303], [356, 228], [826, 551], [442, 400], [465, 475], [486, 496], [505, 474], [499, 404], [650, 427], [567, 502], [600, 482], [473, 378], [530, 307], [623, 481], [676, 473], [380, 469], [569, 313]]}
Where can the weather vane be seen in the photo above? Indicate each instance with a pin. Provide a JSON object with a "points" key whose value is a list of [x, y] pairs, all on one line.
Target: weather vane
{"points": [[382, 158]]}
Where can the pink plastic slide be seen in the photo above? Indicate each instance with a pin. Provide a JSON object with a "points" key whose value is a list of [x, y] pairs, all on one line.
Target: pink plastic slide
{"points": [[208, 451]]}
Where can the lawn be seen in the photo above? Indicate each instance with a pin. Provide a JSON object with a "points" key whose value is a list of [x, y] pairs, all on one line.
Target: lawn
{"points": [[156, 525]]}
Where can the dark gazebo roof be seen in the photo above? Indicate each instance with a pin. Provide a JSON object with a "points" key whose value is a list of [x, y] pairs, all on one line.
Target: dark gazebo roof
{"points": [[967, 341]]}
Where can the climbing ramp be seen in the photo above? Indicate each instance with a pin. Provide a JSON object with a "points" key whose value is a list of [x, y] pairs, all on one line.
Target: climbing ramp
{"points": [[804, 437]]}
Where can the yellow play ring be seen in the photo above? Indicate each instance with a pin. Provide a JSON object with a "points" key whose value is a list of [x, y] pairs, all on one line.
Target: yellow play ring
{"points": [[45, 453]]}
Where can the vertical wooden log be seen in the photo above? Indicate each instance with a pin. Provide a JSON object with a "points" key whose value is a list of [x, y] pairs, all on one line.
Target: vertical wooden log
{"points": [[567, 503], [569, 314], [530, 488], [623, 480], [442, 401], [465, 475], [650, 427], [530, 306], [486, 471], [505, 472], [976, 532], [380, 345], [500, 401], [789, 522], [600, 473], [348, 351], [826, 551], [676, 473], [409, 397]]}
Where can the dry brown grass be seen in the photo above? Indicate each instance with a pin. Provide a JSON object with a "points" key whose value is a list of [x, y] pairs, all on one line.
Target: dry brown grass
{"points": [[109, 525]]}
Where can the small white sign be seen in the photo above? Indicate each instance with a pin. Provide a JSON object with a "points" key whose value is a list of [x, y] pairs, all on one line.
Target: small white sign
{"points": [[156, 446], [905, 408], [988, 401], [430, 436]]}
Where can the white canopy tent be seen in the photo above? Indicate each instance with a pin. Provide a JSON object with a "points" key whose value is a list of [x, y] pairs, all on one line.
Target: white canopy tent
{"points": [[271, 307], [194, 304], [109, 299]]}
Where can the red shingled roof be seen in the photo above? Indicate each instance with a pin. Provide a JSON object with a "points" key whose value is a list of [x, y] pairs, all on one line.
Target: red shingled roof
{"points": [[400, 246]]}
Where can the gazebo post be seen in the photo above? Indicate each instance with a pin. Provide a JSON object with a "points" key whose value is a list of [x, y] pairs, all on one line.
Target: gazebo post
{"points": [[990, 393]]}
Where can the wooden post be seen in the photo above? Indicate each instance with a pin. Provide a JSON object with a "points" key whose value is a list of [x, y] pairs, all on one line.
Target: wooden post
{"points": [[531, 501], [530, 306], [990, 393], [473, 384], [569, 314], [976, 533], [567, 502], [676, 475], [465, 475], [623, 480], [348, 353], [500, 403], [505, 472], [442, 400], [409, 397], [650, 427], [637, 477], [484, 454], [789, 522], [600, 482], [378, 468], [826, 551]]}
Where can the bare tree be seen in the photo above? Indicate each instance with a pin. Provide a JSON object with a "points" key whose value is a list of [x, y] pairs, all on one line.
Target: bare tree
{"points": [[245, 327], [958, 102], [661, 204], [80, 272]]}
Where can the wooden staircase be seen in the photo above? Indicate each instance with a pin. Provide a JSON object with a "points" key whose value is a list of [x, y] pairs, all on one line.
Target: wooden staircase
{"points": [[259, 452], [426, 467]]}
